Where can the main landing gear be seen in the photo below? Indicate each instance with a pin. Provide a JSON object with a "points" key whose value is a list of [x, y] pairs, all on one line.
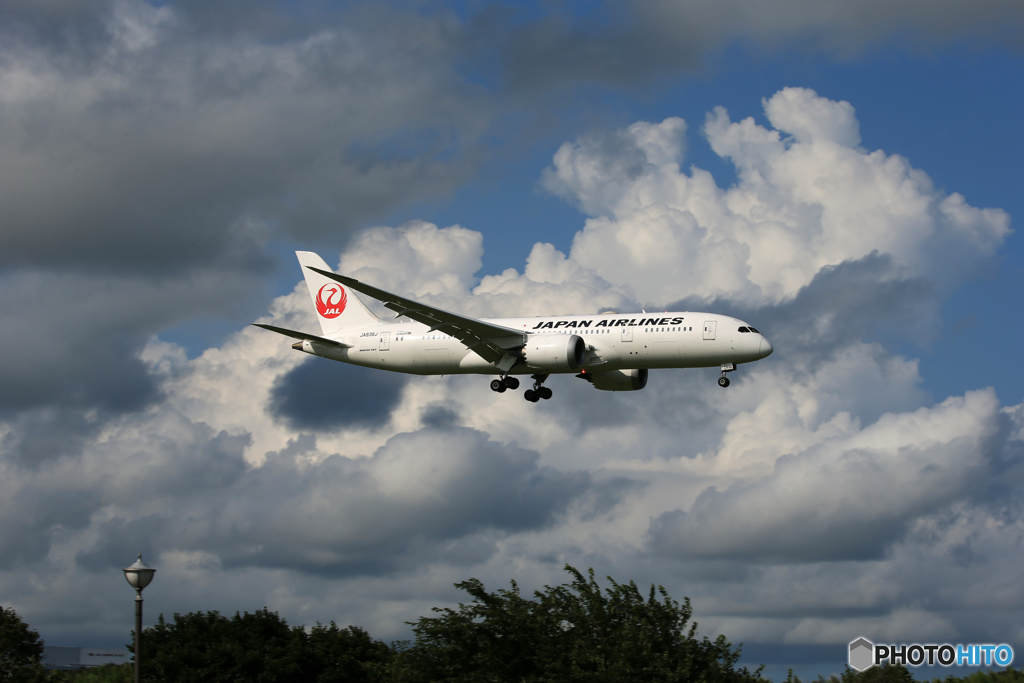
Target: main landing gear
{"points": [[502, 384], [538, 392], [723, 381]]}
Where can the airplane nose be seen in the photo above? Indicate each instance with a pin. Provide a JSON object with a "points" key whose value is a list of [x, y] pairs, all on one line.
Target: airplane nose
{"points": [[766, 348]]}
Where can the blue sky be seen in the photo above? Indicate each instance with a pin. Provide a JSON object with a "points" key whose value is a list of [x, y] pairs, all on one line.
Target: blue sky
{"points": [[165, 160]]}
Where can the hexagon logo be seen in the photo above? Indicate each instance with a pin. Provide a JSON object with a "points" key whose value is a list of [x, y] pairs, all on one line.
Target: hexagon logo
{"points": [[862, 654]]}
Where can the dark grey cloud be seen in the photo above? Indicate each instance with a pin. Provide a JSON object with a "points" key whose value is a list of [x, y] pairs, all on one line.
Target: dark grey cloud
{"points": [[120, 538], [605, 498], [38, 436], [324, 395], [831, 26], [60, 24], [436, 495], [629, 44], [861, 299], [557, 50], [1005, 454], [439, 416], [77, 338], [149, 154], [138, 470], [183, 148], [581, 407], [419, 489]]}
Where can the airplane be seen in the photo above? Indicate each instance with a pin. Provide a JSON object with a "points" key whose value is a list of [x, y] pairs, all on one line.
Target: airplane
{"points": [[613, 352]]}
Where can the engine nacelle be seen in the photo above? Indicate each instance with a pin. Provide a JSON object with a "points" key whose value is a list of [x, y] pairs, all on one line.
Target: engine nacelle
{"points": [[555, 352], [617, 380]]}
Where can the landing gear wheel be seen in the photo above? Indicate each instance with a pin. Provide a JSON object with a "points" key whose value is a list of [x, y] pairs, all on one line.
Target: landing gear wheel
{"points": [[531, 396], [723, 381], [497, 385], [512, 383], [544, 393]]}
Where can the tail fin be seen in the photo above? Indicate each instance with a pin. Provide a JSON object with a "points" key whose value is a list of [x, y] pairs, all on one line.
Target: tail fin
{"points": [[337, 306]]}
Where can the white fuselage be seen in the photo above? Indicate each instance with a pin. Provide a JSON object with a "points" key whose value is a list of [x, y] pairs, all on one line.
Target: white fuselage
{"points": [[613, 342]]}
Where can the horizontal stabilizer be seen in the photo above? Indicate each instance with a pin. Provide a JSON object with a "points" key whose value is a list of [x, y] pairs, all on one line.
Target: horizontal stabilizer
{"points": [[303, 335]]}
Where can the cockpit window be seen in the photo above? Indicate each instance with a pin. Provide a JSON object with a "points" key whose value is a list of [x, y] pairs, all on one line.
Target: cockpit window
{"points": [[743, 329], [753, 330]]}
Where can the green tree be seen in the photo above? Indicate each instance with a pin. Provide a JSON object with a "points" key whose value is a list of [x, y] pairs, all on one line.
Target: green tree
{"points": [[348, 655], [21, 650], [209, 647], [572, 632]]}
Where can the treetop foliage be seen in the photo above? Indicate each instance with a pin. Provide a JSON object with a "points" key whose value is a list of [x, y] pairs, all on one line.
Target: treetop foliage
{"points": [[209, 647], [570, 632]]}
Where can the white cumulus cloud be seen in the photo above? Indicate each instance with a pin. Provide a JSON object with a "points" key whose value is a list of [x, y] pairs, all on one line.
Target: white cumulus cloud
{"points": [[808, 197]]}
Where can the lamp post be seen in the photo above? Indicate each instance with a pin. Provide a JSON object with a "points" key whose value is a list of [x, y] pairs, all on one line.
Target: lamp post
{"points": [[139, 575]]}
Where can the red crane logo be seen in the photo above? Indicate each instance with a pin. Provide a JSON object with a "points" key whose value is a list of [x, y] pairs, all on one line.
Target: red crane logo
{"points": [[333, 304]]}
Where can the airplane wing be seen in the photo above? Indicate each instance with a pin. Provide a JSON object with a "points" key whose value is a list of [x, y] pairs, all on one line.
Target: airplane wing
{"points": [[489, 341], [302, 335]]}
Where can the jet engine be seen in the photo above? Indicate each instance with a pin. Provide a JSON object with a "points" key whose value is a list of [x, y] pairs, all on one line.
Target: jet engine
{"points": [[617, 380], [555, 352]]}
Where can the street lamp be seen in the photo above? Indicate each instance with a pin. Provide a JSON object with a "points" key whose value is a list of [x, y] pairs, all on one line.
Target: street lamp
{"points": [[139, 575]]}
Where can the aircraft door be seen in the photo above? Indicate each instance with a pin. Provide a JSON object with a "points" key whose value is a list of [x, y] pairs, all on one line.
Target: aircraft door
{"points": [[709, 329], [385, 341], [627, 334]]}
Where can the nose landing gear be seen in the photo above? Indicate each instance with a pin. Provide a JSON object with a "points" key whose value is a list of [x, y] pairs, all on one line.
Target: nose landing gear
{"points": [[723, 381]]}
